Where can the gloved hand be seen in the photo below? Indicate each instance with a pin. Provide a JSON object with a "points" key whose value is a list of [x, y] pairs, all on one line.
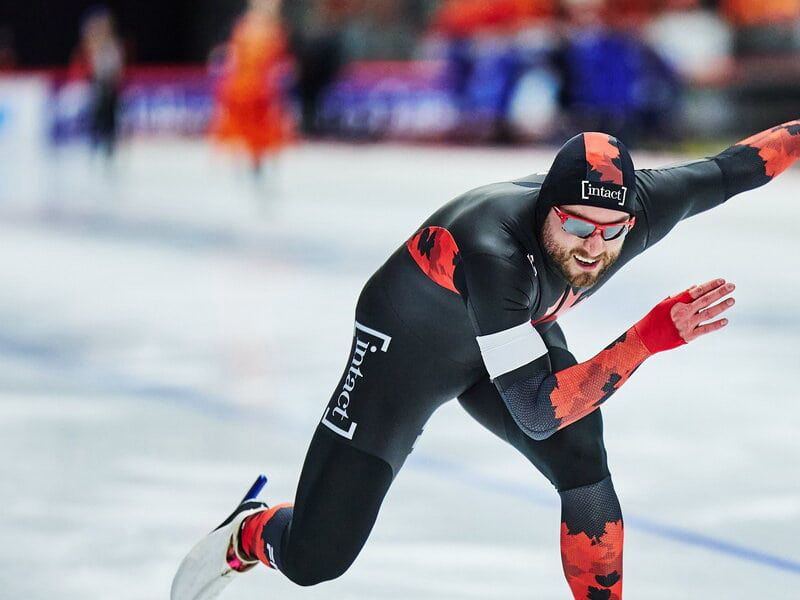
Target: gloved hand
{"points": [[680, 319]]}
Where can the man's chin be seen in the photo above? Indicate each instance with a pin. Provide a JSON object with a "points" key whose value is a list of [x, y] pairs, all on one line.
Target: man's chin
{"points": [[583, 280]]}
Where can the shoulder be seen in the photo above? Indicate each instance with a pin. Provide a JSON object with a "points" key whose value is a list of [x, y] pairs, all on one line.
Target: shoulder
{"points": [[489, 219]]}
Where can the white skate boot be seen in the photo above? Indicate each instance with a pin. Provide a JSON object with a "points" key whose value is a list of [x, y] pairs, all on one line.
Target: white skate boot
{"points": [[215, 560]]}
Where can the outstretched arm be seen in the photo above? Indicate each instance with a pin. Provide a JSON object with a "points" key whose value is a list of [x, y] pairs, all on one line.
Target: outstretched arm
{"points": [[669, 195], [543, 402], [758, 159]]}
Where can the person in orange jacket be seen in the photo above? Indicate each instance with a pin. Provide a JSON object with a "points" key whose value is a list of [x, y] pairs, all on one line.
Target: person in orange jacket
{"points": [[250, 109]]}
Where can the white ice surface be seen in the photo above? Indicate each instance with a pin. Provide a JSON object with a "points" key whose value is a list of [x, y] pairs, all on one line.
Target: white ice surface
{"points": [[168, 330]]}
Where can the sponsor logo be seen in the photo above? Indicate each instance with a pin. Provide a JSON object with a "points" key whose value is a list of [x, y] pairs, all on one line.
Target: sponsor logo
{"points": [[271, 552], [336, 417], [590, 190], [532, 260]]}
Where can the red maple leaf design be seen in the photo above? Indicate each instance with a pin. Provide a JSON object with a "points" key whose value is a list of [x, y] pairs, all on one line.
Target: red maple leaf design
{"points": [[434, 250], [600, 154], [589, 561], [580, 388], [779, 147]]}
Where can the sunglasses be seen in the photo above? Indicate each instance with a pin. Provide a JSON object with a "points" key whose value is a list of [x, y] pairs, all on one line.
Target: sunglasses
{"points": [[584, 228]]}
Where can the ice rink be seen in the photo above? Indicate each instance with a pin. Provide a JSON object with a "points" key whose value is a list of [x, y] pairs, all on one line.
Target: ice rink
{"points": [[168, 331]]}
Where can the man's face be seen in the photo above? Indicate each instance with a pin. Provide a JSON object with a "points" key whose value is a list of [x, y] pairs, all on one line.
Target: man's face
{"points": [[580, 261]]}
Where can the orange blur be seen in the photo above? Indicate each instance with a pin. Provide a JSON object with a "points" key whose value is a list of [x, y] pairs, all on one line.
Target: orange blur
{"points": [[465, 17], [250, 108]]}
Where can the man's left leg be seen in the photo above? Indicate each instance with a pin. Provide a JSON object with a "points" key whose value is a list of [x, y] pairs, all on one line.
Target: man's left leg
{"points": [[574, 460], [591, 541]]}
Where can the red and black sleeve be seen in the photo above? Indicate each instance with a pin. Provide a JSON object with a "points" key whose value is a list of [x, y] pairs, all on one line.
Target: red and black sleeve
{"points": [[669, 195], [758, 159], [500, 295], [543, 402]]}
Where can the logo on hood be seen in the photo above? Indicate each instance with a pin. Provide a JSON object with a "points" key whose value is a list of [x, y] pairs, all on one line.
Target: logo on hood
{"points": [[590, 190]]}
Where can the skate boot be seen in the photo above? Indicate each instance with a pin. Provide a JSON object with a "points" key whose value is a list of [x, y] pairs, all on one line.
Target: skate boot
{"points": [[216, 559]]}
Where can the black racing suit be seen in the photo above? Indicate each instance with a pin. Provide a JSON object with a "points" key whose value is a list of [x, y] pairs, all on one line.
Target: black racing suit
{"points": [[426, 326]]}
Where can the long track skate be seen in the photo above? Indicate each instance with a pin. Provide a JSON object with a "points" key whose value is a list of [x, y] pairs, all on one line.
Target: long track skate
{"points": [[214, 561]]}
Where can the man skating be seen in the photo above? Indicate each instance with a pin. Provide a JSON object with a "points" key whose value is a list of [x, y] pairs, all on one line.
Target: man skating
{"points": [[468, 308]]}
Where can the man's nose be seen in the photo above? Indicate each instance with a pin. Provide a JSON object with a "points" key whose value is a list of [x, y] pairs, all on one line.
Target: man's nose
{"points": [[593, 245]]}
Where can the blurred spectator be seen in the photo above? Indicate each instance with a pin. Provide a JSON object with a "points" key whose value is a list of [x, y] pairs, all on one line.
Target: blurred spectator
{"points": [[613, 81], [8, 56], [488, 60], [250, 110], [694, 40], [317, 44], [99, 58], [748, 12], [629, 13], [698, 44], [509, 58], [460, 18], [379, 30], [764, 26]]}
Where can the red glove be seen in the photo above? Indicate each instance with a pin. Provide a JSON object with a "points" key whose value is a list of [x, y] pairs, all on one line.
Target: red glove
{"points": [[685, 317], [657, 329]]}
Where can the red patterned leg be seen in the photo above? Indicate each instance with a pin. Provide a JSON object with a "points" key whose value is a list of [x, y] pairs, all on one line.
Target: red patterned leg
{"points": [[592, 535]]}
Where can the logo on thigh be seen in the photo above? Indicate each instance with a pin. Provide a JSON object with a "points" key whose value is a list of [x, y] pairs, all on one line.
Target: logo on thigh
{"points": [[367, 341]]}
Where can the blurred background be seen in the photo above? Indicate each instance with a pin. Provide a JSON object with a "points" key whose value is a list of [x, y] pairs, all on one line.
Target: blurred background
{"points": [[510, 71], [192, 194]]}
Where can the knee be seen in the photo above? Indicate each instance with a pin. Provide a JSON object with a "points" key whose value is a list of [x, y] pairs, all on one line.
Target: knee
{"points": [[587, 462], [307, 578], [309, 569], [591, 507], [313, 575]]}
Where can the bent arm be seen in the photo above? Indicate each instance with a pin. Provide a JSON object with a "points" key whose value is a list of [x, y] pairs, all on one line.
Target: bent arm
{"points": [[543, 399], [542, 402], [543, 393]]}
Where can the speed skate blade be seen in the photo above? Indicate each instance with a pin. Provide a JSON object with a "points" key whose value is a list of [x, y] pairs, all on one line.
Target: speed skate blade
{"points": [[205, 571], [256, 488]]}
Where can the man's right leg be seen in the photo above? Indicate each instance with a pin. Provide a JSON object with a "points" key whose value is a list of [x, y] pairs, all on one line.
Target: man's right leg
{"points": [[390, 386], [340, 492], [392, 382]]}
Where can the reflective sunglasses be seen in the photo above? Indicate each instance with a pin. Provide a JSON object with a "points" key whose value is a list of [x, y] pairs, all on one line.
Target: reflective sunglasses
{"points": [[584, 228]]}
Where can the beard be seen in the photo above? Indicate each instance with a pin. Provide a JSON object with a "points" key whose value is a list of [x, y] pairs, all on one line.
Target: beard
{"points": [[563, 258]]}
